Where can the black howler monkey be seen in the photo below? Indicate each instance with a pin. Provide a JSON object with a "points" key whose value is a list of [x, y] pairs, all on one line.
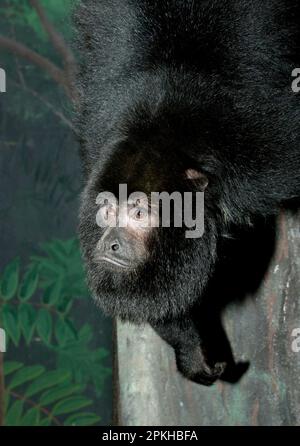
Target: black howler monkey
{"points": [[182, 95]]}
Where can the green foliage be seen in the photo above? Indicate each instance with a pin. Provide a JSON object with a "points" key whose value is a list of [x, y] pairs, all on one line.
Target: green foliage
{"points": [[36, 397], [10, 280], [36, 307], [61, 273], [33, 96], [85, 364], [38, 303], [28, 285], [20, 13]]}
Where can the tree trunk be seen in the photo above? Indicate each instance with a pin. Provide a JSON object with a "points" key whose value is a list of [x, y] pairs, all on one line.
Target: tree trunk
{"points": [[151, 391]]}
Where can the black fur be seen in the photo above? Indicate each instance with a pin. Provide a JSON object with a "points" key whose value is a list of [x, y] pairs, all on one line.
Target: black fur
{"points": [[172, 84]]}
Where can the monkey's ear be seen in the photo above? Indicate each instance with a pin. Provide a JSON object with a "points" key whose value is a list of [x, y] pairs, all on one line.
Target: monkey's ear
{"points": [[199, 178]]}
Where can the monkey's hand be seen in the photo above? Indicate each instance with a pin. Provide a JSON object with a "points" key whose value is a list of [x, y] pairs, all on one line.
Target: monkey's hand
{"points": [[194, 366]]}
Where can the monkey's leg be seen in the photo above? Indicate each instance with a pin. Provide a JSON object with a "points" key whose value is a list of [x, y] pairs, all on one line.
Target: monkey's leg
{"points": [[215, 343], [191, 359]]}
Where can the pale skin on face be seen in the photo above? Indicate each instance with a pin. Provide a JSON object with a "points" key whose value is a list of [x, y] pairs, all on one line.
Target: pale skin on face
{"points": [[128, 225], [135, 215], [126, 230]]}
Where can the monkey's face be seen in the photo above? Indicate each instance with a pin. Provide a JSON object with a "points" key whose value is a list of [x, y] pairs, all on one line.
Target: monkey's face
{"points": [[127, 228], [137, 267]]}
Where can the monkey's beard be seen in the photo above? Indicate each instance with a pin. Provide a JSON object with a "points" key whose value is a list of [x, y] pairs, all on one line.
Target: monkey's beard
{"points": [[166, 285]]}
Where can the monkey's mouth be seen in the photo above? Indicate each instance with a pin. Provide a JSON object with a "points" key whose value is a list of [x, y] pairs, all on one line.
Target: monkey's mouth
{"points": [[114, 262]]}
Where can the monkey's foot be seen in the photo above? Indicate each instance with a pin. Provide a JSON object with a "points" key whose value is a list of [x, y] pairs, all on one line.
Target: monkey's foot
{"points": [[194, 367]]}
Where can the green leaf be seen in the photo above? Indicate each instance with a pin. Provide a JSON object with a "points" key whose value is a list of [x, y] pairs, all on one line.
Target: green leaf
{"points": [[25, 374], [10, 280], [53, 293], [100, 354], [64, 331], [62, 264], [86, 364], [59, 393], [56, 251], [70, 245], [65, 305], [70, 405], [10, 323], [48, 265], [11, 366], [82, 419], [47, 380], [14, 413], [31, 418], [44, 325], [85, 333], [29, 285], [27, 319], [45, 422]]}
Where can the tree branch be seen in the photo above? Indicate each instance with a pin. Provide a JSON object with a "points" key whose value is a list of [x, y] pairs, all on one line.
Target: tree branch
{"points": [[51, 107], [55, 37], [26, 53], [58, 43], [31, 403]]}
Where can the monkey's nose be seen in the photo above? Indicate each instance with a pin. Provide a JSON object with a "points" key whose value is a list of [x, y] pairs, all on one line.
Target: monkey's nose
{"points": [[106, 247]]}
